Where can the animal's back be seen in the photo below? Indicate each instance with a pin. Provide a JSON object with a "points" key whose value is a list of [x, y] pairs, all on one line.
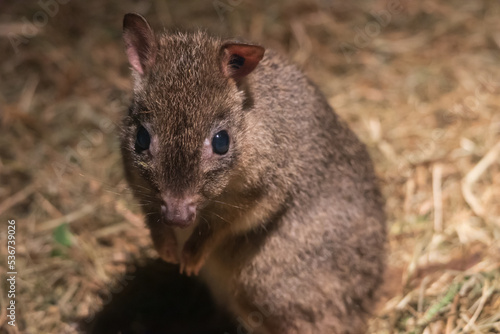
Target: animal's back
{"points": [[314, 264]]}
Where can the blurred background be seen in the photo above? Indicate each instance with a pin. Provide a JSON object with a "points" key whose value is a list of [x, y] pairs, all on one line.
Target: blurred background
{"points": [[418, 81]]}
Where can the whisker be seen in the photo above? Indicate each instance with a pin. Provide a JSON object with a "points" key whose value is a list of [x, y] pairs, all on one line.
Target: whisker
{"points": [[219, 217], [231, 205]]}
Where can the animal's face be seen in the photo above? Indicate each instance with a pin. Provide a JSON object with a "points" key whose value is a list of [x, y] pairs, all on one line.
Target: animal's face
{"points": [[184, 142], [183, 134]]}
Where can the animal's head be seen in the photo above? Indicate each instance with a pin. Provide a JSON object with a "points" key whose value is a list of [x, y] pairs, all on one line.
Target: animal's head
{"points": [[183, 134]]}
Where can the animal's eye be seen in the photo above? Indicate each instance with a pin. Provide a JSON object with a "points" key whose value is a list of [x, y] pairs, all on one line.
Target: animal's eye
{"points": [[220, 142], [143, 139]]}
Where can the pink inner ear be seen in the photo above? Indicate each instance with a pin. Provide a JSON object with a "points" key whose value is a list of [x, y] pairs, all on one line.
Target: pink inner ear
{"points": [[134, 60], [251, 54], [139, 42]]}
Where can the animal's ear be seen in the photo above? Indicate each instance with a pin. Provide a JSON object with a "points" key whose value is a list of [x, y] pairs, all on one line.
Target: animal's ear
{"points": [[139, 42], [238, 59]]}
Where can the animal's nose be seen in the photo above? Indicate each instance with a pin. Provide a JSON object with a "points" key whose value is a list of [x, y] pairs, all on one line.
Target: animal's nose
{"points": [[178, 211]]}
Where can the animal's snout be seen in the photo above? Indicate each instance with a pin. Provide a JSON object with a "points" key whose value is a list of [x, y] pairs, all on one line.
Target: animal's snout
{"points": [[179, 212]]}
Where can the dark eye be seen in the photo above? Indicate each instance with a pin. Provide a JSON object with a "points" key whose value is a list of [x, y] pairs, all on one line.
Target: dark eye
{"points": [[220, 142], [143, 140]]}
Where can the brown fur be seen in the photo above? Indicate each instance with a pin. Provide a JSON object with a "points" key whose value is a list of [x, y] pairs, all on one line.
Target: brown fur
{"points": [[290, 228]]}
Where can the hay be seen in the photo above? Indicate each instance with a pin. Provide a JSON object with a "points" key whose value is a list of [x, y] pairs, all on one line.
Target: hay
{"points": [[422, 90]]}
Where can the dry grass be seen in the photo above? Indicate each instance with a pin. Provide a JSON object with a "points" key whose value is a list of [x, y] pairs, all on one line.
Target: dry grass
{"points": [[422, 92]]}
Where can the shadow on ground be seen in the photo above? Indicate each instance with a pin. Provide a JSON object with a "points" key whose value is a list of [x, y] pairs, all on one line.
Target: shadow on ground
{"points": [[155, 299]]}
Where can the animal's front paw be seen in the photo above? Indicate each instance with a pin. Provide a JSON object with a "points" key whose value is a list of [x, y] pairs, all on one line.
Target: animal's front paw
{"points": [[168, 254], [191, 262], [169, 257]]}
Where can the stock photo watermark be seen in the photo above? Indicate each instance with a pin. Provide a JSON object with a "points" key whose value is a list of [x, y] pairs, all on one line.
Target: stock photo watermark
{"points": [[253, 321], [224, 7], [468, 108], [12, 272], [108, 295], [365, 35], [31, 26], [84, 148], [471, 105]]}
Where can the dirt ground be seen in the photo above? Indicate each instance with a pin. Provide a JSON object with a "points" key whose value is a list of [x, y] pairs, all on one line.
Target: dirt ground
{"points": [[418, 81]]}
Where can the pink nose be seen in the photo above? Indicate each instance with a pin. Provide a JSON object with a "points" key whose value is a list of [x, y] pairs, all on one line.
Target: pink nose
{"points": [[178, 212]]}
